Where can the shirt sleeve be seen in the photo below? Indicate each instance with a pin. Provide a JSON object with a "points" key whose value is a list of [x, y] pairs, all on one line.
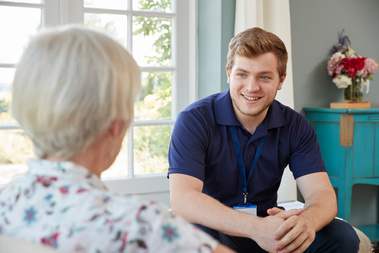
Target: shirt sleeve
{"points": [[305, 149], [187, 151]]}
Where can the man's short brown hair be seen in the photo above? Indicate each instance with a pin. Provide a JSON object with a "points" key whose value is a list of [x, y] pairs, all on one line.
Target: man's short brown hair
{"points": [[254, 42]]}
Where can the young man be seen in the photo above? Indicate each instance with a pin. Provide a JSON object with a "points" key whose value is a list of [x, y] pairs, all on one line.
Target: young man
{"points": [[230, 150]]}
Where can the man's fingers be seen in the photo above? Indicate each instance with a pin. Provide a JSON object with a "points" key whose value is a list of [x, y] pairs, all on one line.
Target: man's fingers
{"points": [[274, 211], [298, 244], [286, 214]]}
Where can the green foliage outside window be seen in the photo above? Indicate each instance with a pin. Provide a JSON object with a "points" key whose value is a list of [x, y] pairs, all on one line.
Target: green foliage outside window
{"points": [[4, 105], [155, 101]]}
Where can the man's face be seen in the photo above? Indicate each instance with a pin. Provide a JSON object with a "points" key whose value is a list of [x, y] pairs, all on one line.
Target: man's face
{"points": [[253, 83]]}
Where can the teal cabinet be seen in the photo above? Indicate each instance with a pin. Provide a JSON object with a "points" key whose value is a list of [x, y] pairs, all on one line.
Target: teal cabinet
{"points": [[349, 143]]}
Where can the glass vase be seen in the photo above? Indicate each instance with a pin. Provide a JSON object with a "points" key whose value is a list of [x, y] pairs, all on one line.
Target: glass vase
{"points": [[353, 93]]}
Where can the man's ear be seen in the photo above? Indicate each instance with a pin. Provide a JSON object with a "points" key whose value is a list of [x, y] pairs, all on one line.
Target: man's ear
{"points": [[282, 81], [228, 74]]}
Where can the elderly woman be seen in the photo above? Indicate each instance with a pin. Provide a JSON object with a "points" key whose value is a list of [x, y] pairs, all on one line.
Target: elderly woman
{"points": [[73, 95]]}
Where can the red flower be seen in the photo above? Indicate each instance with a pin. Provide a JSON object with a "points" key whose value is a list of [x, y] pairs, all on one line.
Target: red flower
{"points": [[352, 65]]}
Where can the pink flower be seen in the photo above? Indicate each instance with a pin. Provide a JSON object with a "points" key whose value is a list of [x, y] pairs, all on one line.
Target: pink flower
{"points": [[334, 64], [369, 69], [371, 66]]}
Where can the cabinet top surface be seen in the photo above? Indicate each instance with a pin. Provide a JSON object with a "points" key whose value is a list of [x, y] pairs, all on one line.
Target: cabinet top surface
{"points": [[347, 111]]}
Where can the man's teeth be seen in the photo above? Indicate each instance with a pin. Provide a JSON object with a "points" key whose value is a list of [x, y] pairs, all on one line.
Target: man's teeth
{"points": [[250, 98]]}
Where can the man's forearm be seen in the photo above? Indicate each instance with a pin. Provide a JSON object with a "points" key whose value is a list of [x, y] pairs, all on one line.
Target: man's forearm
{"points": [[202, 209], [320, 209], [320, 199]]}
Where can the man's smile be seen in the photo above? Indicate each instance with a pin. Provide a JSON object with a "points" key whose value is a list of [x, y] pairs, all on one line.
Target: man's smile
{"points": [[251, 98]]}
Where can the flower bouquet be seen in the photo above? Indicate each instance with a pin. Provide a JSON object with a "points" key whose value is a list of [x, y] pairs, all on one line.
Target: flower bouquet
{"points": [[349, 70]]}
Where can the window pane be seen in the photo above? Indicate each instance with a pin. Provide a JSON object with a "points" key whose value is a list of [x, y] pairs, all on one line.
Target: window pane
{"points": [[113, 25], [106, 4], [15, 34], [155, 100], [15, 149], [152, 41], [151, 149], [120, 167], [157, 5], [6, 77]]}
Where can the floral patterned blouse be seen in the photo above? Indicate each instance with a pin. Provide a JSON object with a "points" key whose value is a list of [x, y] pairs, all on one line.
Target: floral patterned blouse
{"points": [[65, 206]]}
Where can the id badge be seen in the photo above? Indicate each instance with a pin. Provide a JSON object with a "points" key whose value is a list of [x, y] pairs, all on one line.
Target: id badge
{"points": [[246, 208]]}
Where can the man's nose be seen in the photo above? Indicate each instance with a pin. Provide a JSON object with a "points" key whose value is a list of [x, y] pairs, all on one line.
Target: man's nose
{"points": [[252, 85]]}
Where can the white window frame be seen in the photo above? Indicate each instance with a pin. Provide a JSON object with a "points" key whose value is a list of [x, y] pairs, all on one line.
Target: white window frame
{"points": [[184, 81]]}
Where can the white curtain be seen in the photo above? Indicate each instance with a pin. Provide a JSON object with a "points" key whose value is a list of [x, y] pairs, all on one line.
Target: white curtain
{"points": [[273, 16]]}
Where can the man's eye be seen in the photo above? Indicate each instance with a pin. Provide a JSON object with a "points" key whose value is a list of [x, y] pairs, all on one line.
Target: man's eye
{"points": [[264, 77], [241, 75]]}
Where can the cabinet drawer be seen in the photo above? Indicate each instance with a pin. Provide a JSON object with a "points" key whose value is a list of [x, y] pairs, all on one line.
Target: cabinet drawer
{"points": [[366, 118]]}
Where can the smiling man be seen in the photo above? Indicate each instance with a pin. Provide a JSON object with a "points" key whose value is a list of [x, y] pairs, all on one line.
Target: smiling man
{"points": [[227, 156]]}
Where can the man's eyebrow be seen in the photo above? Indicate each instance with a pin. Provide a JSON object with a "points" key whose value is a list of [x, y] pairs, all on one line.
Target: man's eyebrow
{"points": [[266, 72], [242, 70]]}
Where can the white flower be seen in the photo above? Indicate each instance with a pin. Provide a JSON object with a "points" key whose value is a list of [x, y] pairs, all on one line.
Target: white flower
{"points": [[342, 81], [350, 52], [338, 55]]}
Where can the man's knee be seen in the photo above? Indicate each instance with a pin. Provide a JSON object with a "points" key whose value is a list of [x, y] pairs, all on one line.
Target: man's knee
{"points": [[338, 236], [345, 236]]}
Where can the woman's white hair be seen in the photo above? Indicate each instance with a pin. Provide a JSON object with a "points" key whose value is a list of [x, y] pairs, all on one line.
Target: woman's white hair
{"points": [[70, 84]]}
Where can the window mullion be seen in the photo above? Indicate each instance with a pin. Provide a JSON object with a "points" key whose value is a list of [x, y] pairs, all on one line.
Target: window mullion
{"points": [[153, 122], [131, 151], [129, 33], [9, 126], [20, 4], [60, 12], [129, 43], [72, 11], [51, 13], [7, 65]]}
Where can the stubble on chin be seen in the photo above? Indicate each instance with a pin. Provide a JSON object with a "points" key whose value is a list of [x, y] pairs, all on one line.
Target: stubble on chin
{"points": [[247, 112]]}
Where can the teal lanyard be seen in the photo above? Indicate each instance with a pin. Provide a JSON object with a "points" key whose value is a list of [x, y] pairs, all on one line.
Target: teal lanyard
{"points": [[241, 165]]}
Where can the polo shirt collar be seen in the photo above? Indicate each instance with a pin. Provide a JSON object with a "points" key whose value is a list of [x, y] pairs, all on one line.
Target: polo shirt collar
{"points": [[225, 114]]}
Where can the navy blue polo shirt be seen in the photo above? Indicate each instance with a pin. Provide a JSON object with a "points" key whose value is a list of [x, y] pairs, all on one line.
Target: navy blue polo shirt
{"points": [[201, 146]]}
